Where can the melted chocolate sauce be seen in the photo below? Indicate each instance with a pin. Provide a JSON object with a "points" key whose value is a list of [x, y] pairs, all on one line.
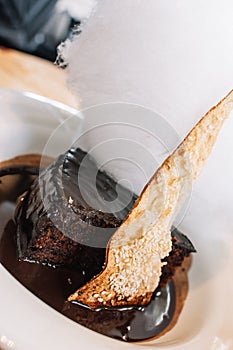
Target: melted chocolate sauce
{"points": [[54, 285]]}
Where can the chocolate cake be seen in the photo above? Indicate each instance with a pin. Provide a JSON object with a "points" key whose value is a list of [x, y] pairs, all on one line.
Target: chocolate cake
{"points": [[41, 244], [56, 225]]}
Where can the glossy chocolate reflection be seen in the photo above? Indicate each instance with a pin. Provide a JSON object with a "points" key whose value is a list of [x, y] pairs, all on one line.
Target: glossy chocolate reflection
{"points": [[54, 284], [57, 225]]}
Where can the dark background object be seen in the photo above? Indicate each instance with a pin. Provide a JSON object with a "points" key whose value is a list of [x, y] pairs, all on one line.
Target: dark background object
{"points": [[34, 26]]}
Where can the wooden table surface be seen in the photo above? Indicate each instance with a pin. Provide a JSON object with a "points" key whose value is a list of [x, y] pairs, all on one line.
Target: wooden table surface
{"points": [[21, 71]]}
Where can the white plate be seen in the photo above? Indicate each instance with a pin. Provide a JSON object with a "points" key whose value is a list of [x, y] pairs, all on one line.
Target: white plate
{"points": [[206, 321]]}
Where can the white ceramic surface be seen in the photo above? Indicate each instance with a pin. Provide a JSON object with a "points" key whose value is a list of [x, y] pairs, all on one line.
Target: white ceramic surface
{"points": [[206, 322]]}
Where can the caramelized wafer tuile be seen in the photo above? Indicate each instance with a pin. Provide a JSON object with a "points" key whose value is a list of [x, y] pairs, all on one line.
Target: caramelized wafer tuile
{"points": [[135, 252]]}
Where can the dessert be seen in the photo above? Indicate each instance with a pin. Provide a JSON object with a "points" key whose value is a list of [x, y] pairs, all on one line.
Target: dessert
{"points": [[80, 243], [74, 267], [134, 274]]}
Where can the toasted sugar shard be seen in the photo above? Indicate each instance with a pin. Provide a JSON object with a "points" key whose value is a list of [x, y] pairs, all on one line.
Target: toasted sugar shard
{"points": [[133, 261]]}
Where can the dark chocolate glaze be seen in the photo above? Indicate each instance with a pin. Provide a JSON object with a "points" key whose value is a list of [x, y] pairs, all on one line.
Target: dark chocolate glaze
{"points": [[54, 285], [59, 223]]}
